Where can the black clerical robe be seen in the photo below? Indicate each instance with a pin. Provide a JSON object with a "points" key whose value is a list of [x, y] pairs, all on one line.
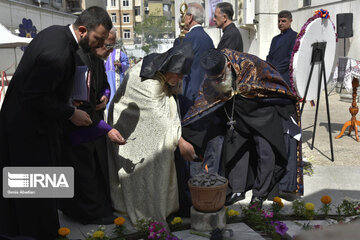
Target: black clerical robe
{"points": [[262, 103], [231, 39], [31, 118], [89, 159]]}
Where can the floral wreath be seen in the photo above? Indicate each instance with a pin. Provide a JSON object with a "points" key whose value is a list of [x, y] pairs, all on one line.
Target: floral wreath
{"points": [[322, 13]]}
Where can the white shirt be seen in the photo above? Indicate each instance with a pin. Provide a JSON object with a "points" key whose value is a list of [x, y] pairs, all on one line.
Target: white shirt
{"points": [[73, 33], [197, 25]]}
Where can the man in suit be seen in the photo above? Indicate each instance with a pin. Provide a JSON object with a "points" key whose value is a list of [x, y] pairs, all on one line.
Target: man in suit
{"points": [[231, 37], [34, 111], [201, 42], [282, 46]]}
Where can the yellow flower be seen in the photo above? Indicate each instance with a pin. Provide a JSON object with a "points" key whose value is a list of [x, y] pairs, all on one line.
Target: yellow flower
{"points": [[277, 200], [119, 221], [176, 220], [309, 206], [231, 212], [236, 213], [98, 234], [326, 199], [63, 231]]}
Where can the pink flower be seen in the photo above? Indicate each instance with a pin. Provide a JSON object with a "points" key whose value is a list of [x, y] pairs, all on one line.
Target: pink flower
{"points": [[268, 215]]}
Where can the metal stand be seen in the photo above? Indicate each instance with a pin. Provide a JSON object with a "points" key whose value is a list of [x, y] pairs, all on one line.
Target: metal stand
{"points": [[318, 54]]}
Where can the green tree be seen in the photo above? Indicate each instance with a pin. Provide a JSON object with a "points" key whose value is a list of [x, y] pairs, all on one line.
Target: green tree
{"points": [[153, 28]]}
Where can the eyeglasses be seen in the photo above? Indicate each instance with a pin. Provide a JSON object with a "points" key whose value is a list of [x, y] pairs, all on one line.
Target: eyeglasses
{"points": [[109, 46]]}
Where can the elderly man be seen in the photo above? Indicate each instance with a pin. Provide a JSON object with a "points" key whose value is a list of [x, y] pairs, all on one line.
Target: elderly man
{"points": [[258, 109], [34, 111], [142, 172], [186, 153], [87, 152], [231, 37]]}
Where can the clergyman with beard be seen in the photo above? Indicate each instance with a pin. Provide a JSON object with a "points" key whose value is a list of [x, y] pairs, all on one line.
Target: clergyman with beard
{"points": [[86, 151], [258, 110], [35, 108]]}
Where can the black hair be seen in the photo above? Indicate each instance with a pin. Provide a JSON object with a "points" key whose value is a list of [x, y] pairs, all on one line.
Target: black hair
{"points": [[226, 8], [92, 17], [285, 14]]}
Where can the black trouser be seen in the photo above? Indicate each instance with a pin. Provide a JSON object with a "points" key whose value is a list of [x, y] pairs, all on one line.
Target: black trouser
{"points": [[238, 175]]}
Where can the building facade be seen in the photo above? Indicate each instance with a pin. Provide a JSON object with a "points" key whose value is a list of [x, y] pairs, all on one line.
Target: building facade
{"points": [[122, 13]]}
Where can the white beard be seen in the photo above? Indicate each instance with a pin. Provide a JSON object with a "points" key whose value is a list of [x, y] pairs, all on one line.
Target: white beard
{"points": [[224, 87]]}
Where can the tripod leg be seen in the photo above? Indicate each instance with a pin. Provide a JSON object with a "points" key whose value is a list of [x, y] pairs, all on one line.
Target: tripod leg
{"points": [[327, 110], [348, 123], [317, 109], [356, 132], [307, 88], [350, 129]]}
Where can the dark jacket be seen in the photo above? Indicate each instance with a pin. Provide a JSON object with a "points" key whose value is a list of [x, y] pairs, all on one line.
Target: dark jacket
{"points": [[280, 53], [201, 42], [231, 39]]}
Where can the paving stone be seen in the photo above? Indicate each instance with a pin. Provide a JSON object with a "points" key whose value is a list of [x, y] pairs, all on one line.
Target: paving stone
{"points": [[78, 230], [295, 227], [241, 232]]}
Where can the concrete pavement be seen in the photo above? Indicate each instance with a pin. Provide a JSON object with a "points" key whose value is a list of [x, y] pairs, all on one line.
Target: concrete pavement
{"points": [[336, 179]]}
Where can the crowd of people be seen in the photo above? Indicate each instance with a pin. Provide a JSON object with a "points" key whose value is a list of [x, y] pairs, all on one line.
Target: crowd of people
{"points": [[142, 132]]}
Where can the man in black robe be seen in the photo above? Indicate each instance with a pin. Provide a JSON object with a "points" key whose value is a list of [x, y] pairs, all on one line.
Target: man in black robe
{"points": [[87, 151], [258, 108], [34, 111], [231, 37]]}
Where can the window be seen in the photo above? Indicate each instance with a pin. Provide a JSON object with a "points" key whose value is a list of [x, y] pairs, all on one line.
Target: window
{"points": [[125, 3], [127, 34], [126, 18], [113, 17], [306, 3], [137, 11], [113, 3]]}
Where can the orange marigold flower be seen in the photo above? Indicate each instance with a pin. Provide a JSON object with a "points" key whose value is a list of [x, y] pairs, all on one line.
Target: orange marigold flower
{"points": [[277, 200], [63, 231], [119, 221], [326, 199]]}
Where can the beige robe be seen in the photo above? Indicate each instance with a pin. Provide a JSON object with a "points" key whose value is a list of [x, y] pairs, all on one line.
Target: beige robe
{"points": [[142, 172]]}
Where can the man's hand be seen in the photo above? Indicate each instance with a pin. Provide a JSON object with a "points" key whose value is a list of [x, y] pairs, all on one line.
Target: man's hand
{"points": [[187, 150], [104, 100], [116, 137], [80, 118]]}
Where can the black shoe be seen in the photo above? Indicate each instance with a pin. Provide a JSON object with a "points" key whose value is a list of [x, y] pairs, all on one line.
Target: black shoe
{"points": [[233, 198], [257, 200]]}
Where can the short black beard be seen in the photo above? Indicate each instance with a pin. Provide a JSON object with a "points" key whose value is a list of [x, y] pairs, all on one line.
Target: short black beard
{"points": [[84, 44]]}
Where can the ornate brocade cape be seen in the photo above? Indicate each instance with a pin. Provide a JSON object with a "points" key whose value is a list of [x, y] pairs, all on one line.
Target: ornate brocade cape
{"points": [[255, 78]]}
